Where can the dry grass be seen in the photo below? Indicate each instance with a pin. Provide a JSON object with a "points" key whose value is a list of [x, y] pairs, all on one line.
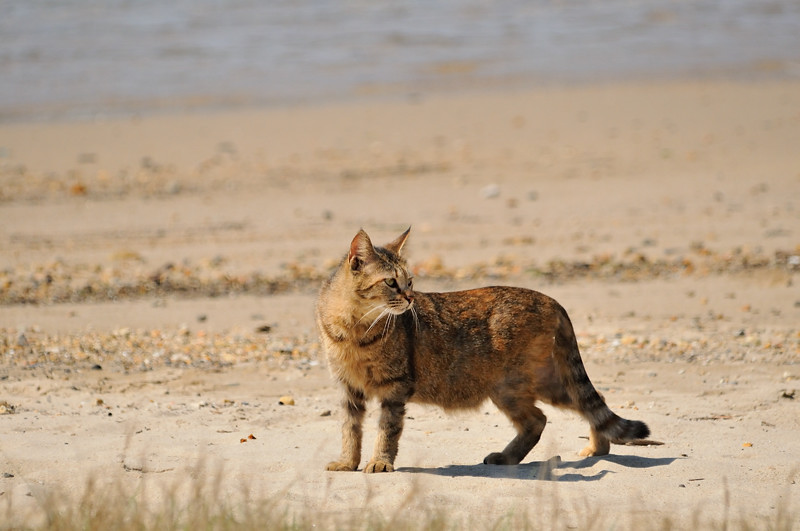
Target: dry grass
{"points": [[199, 504]]}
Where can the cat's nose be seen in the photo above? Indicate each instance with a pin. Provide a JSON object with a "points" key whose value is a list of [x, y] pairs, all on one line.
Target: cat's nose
{"points": [[409, 295]]}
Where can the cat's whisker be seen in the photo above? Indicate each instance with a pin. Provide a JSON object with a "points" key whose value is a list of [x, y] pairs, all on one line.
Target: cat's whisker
{"points": [[387, 325], [374, 308], [415, 316], [386, 311]]}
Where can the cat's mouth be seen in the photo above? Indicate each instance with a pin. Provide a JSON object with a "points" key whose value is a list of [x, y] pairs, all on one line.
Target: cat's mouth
{"points": [[400, 307]]}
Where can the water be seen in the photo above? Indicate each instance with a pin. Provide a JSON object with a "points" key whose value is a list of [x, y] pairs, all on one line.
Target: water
{"points": [[82, 58]]}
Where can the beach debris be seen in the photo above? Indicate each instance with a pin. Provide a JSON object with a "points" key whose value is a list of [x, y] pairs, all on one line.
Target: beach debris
{"points": [[644, 442], [747, 445], [60, 282], [6, 408], [785, 393]]}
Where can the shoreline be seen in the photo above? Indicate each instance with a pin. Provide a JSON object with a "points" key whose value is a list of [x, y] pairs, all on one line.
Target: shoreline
{"points": [[381, 94]]}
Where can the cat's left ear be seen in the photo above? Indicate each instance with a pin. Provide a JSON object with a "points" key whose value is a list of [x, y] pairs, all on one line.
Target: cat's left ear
{"points": [[397, 246]]}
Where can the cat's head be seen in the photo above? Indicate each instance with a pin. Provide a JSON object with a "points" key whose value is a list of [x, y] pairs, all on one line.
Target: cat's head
{"points": [[379, 276]]}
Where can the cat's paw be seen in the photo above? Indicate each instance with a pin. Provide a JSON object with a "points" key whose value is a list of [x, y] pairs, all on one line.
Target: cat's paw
{"points": [[596, 446], [591, 451], [496, 458], [338, 466], [378, 465]]}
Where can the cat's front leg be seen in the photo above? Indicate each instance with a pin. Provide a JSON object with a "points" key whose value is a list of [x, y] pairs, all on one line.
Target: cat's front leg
{"points": [[390, 427], [354, 408]]}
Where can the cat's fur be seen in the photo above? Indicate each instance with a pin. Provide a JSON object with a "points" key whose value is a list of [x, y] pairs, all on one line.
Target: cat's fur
{"points": [[511, 345]]}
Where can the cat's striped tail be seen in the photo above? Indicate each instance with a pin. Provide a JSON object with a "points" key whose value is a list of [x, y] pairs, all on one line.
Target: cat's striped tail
{"points": [[584, 396]]}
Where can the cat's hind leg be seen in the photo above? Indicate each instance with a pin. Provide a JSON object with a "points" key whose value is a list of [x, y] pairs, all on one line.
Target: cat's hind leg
{"points": [[598, 445], [529, 422]]}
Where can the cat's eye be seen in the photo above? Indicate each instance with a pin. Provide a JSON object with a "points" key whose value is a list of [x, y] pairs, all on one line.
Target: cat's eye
{"points": [[392, 283]]}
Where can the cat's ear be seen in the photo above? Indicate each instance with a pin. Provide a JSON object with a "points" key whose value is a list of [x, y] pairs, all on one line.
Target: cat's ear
{"points": [[361, 251], [397, 246]]}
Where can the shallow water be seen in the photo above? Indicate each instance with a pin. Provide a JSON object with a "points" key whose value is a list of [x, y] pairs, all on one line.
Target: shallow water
{"points": [[83, 58]]}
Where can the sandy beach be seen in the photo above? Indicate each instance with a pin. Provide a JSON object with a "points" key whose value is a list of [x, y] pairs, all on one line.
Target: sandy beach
{"points": [[158, 276]]}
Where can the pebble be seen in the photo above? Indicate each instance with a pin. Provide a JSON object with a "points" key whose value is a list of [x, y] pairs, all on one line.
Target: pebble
{"points": [[490, 191], [144, 350], [22, 341], [286, 401]]}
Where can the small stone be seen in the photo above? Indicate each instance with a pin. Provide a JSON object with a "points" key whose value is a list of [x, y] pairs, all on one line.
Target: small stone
{"points": [[22, 341], [78, 189], [286, 400], [173, 187], [326, 413], [97, 367], [628, 340], [490, 191], [7, 475]]}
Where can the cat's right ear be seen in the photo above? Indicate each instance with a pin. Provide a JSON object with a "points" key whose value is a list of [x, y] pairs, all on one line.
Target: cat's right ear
{"points": [[361, 251]]}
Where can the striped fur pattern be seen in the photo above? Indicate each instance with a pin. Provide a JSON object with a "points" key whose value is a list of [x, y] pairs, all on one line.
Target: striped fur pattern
{"points": [[513, 346]]}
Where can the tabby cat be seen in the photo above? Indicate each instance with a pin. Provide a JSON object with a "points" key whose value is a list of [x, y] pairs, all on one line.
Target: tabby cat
{"points": [[513, 346]]}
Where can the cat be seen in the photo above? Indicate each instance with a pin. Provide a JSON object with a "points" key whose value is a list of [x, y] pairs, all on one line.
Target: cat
{"points": [[514, 346]]}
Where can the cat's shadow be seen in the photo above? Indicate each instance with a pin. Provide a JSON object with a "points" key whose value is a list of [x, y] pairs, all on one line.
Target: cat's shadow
{"points": [[550, 470]]}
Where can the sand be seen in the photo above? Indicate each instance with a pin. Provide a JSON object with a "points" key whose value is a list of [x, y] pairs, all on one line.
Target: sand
{"points": [[158, 275]]}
